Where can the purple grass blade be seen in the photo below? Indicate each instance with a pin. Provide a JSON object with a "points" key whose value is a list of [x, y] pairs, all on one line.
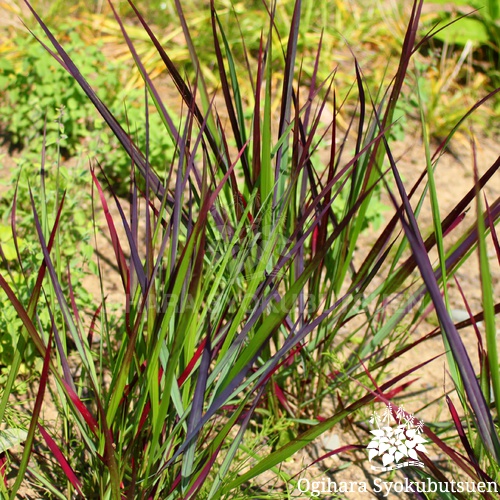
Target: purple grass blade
{"points": [[409, 265], [286, 99], [134, 215], [13, 226], [62, 356], [227, 97], [257, 136], [201, 382], [470, 240], [481, 410], [312, 85], [178, 80], [134, 252], [199, 395], [359, 135], [149, 234], [149, 84], [177, 206], [197, 270]]}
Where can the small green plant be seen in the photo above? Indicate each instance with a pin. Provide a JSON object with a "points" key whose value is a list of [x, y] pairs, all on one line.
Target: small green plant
{"points": [[35, 87], [37, 94], [478, 26], [444, 99]]}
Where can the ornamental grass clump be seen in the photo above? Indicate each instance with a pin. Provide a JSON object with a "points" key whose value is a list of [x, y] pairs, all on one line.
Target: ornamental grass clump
{"points": [[243, 297]]}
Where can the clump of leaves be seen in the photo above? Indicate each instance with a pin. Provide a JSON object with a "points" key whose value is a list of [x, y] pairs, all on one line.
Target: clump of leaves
{"points": [[245, 278]]}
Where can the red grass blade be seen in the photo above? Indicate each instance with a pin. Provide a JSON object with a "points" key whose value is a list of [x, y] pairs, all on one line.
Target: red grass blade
{"points": [[491, 225], [58, 455], [34, 419], [84, 412], [120, 256]]}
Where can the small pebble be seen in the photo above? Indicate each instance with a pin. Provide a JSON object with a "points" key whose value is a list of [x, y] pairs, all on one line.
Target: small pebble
{"points": [[331, 441], [458, 315]]}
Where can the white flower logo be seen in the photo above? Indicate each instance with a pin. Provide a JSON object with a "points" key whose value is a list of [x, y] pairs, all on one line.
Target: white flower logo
{"points": [[393, 444]]}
